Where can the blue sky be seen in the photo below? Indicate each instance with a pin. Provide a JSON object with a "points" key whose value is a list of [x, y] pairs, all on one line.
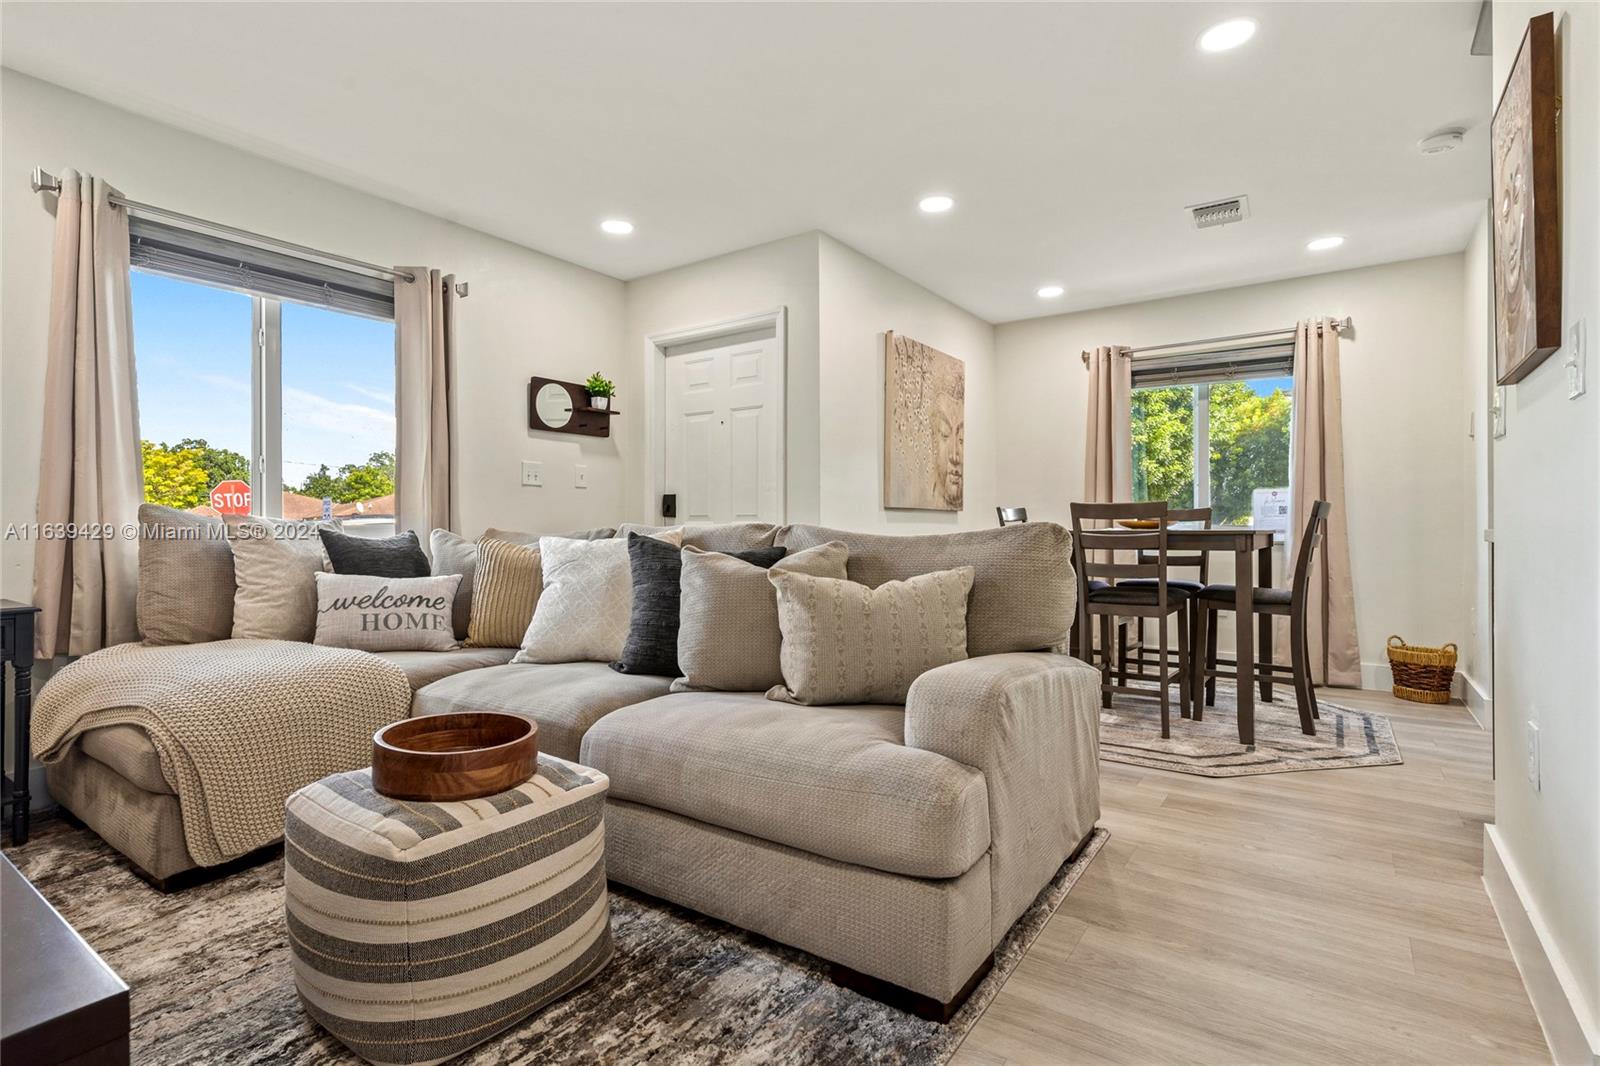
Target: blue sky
{"points": [[192, 353]]}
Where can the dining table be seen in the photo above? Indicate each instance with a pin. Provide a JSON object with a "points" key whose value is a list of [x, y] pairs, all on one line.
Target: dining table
{"points": [[1241, 541]]}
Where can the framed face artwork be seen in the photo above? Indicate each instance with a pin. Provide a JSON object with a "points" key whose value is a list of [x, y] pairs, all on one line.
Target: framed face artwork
{"points": [[924, 426], [1526, 218]]}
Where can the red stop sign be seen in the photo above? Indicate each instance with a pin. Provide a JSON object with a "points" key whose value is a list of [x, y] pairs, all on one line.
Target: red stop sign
{"points": [[231, 497]]}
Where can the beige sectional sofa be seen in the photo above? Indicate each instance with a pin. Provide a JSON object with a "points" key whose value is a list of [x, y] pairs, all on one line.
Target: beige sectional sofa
{"points": [[899, 843]]}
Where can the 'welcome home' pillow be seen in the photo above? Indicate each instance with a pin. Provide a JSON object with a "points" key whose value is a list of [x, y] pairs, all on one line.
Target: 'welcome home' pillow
{"points": [[386, 613]]}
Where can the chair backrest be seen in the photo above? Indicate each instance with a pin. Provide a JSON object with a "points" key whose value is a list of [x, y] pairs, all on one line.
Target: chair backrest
{"points": [[1010, 516], [1086, 543], [1200, 561], [1316, 525]]}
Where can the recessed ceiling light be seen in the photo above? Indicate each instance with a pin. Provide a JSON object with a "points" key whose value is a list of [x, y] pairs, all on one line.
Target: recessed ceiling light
{"points": [[617, 227], [1323, 244], [1226, 35], [936, 205], [1050, 292]]}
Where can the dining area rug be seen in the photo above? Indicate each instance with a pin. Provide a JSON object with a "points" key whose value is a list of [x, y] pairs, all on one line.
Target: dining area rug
{"points": [[1130, 732], [211, 977]]}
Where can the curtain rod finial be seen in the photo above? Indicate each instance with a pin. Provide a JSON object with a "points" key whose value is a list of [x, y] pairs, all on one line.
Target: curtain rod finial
{"points": [[461, 289]]}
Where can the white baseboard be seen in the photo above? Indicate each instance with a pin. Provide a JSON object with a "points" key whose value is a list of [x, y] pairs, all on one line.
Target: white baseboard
{"points": [[1479, 703], [1573, 1036], [1379, 678]]}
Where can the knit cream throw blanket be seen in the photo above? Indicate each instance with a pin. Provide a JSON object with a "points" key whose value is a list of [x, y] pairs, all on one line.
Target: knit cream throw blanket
{"points": [[239, 724]]}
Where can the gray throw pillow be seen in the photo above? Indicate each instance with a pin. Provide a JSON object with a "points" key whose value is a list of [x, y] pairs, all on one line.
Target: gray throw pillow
{"points": [[397, 556], [728, 636], [455, 554], [376, 613], [185, 577], [655, 566], [846, 643], [532, 539], [275, 563]]}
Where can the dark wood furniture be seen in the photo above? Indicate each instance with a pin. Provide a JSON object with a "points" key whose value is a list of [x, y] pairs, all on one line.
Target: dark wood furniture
{"points": [[16, 625], [1114, 600], [575, 414], [1010, 516], [1266, 603], [62, 1003], [443, 757], [1199, 562]]}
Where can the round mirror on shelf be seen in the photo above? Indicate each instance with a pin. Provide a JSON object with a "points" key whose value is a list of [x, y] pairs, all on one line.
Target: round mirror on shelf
{"points": [[554, 405]]}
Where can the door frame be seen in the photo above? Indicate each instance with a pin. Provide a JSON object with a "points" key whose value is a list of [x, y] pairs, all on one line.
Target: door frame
{"points": [[655, 384]]}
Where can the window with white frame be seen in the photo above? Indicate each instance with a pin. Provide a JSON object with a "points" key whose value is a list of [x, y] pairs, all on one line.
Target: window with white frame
{"points": [[1211, 428], [267, 369]]}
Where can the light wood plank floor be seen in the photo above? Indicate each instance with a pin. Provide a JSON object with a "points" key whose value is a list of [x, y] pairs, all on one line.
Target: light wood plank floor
{"points": [[1332, 916]]}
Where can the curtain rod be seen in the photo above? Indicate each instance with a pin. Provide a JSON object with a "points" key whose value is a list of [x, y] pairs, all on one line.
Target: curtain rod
{"points": [[1340, 326], [44, 181]]}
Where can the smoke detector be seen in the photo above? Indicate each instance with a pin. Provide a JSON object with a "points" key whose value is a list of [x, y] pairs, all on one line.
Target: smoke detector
{"points": [[1441, 142], [1219, 212]]}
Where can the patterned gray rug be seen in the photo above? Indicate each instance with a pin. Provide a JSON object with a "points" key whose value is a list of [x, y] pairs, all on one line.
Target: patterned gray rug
{"points": [[211, 978], [1130, 732]]}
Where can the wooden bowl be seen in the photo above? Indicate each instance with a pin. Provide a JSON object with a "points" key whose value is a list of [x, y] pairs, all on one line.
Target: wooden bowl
{"points": [[441, 757], [1138, 523]]}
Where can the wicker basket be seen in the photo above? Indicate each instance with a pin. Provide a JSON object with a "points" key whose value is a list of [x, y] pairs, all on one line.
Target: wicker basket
{"points": [[1422, 675]]}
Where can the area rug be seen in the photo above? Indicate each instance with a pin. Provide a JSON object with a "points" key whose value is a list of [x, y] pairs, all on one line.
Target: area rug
{"points": [[211, 977], [1130, 732]]}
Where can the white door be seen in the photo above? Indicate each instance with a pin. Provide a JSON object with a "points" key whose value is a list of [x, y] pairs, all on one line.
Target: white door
{"points": [[723, 442]]}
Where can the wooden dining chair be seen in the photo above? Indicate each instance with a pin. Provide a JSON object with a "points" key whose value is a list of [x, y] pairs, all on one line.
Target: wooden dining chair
{"points": [[1199, 562], [1010, 516], [1104, 596], [1270, 603]]}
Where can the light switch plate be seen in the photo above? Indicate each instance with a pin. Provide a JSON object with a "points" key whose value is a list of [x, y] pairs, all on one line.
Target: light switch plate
{"points": [[1533, 755], [580, 476], [1497, 412], [1577, 360], [533, 474]]}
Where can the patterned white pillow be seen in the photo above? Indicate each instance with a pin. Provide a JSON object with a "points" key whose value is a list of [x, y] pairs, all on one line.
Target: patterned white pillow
{"points": [[586, 603], [372, 613]]}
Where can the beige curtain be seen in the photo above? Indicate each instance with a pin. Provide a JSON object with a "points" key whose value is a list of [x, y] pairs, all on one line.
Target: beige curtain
{"points": [[1318, 474], [424, 338], [90, 471], [1108, 428]]}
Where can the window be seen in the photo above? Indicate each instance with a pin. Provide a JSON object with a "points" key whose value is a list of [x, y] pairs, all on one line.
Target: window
{"points": [[1211, 428], [263, 368]]}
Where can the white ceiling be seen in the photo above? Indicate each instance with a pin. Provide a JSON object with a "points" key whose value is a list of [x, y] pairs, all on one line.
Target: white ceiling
{"points": [[1071, 136]]}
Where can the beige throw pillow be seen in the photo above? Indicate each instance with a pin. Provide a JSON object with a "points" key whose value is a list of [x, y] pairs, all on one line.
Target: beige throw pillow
{"points": [[504, 593], [846, 643], [728, 634], [586, 603], [185, 577], [275, 564], [454, 554], [372, 613]]}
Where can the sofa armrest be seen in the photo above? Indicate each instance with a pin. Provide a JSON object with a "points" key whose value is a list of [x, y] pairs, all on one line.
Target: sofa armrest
{"points": [[1030, 722]]}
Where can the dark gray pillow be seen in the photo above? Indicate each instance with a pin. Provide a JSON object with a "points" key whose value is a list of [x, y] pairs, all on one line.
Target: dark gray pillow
{"points": [[652, 645], [376, 556]]}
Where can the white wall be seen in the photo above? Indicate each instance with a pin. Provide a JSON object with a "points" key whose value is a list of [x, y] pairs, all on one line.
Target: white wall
{"points": [[862, 298], [1547, 565], [527, 314], [1476, 661], [1404, 478], [780, 273]]}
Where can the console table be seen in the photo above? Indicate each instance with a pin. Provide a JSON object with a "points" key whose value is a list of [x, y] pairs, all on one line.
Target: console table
{"points": [[16, 635]]}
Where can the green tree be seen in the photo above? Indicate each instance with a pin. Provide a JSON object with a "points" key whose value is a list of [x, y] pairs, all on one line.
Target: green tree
{"points": [[354, 481], [1249, 447], [1163, 445], [174, 477], [220, 463], [321, 484]]}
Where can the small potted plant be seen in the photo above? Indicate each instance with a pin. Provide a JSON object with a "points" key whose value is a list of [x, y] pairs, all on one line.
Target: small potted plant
{"points": [[601, 389]]}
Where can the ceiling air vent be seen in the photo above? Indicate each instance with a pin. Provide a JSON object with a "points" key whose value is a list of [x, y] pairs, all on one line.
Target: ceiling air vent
{"points": [[1220, 212]]}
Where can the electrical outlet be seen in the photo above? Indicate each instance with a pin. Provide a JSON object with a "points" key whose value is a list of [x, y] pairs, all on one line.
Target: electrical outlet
{"points": [[1576, 362], [580, 476], [1533, 755], [1497, 412], [532, 474]]}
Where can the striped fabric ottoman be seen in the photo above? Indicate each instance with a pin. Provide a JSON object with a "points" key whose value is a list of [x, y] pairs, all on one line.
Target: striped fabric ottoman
{"points": [[422, 929]]}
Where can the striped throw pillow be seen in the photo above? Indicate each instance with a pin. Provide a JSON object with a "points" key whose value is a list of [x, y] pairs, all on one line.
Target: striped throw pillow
{"points": [[505, 590]]}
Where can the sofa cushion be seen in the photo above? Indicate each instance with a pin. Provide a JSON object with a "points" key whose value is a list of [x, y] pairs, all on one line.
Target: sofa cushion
{"points": [[1022, 592], [505, 593], [426, 667], [564, 698], [127, 749], [398, 556], [516, 537], [586, 602], [455, 554], [834, 781], [373, 613], [275, 564], [728, 636], [727, 537], [185, 577]]}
